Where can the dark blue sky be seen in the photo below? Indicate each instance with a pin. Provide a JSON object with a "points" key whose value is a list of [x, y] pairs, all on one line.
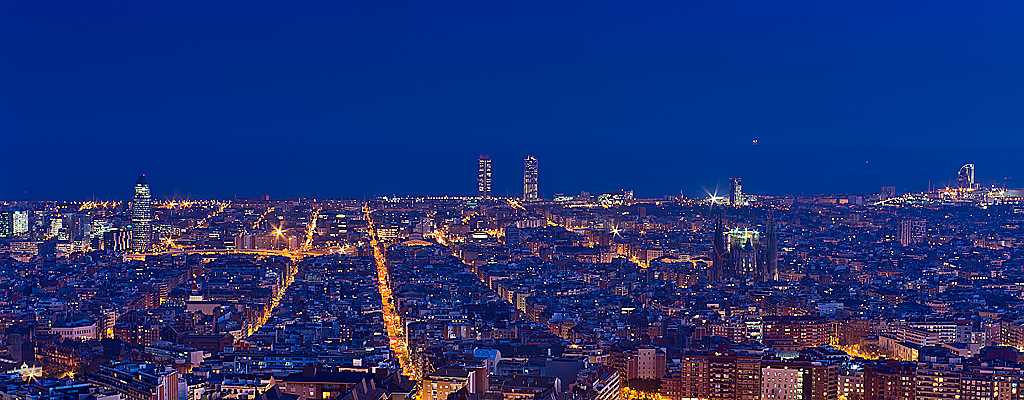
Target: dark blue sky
{"points": [[342, 98]]}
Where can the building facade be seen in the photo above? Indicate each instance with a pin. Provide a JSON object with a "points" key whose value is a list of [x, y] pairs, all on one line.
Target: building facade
{"points": [[530, 179], [142, 216], [484, 176]]}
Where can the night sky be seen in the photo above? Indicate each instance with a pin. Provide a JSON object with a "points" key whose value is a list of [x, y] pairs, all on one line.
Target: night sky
{"points": [[353, 99]]}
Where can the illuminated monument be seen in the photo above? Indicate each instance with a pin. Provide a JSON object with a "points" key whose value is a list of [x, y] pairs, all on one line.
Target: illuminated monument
{"points": [[744, 257], [741, 254]]}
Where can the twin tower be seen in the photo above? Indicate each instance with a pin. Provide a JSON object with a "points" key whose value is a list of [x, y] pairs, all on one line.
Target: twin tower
{"points": [[485, 169]]}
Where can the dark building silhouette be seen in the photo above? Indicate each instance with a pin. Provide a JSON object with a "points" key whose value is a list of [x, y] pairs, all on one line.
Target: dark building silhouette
{"points": [[19, 344], [720, 258], [769, 270]]}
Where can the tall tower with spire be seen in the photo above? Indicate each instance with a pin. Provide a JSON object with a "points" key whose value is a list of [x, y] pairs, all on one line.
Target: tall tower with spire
{"points": [[720, 258], [142, 216], [770, 269]]}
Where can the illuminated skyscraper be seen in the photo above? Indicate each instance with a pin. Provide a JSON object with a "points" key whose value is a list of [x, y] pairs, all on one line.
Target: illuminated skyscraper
{"points": [[965, 177], [736, 192], [483, 176], [912, 231], [6, 224], [530, 179], [19, 222], [142, 216], [56, 226]]}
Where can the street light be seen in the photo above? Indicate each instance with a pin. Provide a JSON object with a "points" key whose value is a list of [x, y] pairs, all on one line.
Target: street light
{"points": [[278, 233]]}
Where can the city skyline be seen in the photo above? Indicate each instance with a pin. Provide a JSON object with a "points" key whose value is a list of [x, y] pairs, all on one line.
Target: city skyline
{"points": [[483, 186], [465, 200], [737, 297]]}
